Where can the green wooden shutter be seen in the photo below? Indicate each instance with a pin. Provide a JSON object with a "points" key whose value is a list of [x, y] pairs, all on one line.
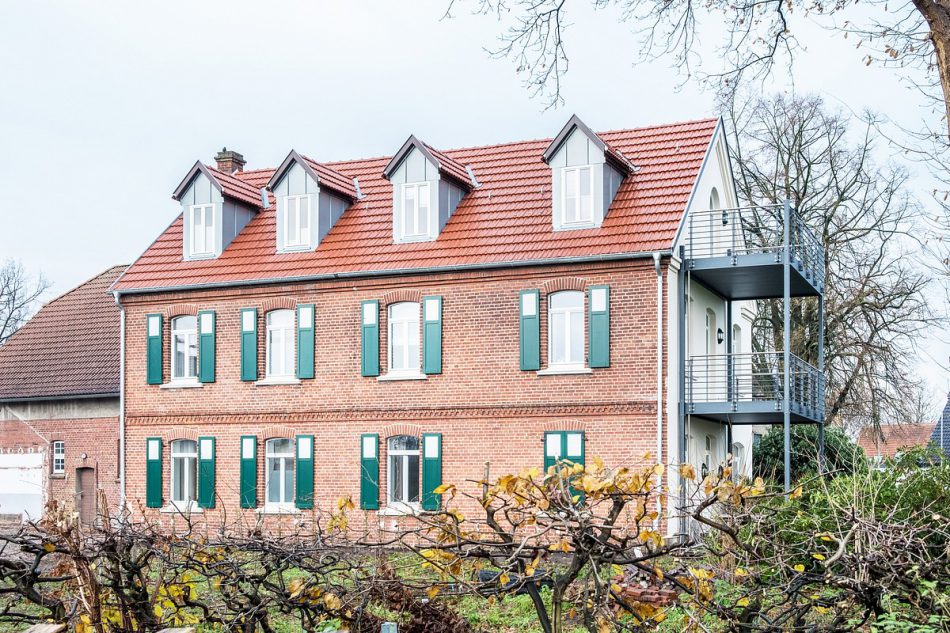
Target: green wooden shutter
{"points": [[574, 453], [153, 472], [304, 496], [530, 330], [249, 344], [248, 471], [369, 337], [564, 446], [206, 456], [305, 341], [369, 471], [432, 335], [598, 300], [431, 470], [206, 334], [153, 349]]}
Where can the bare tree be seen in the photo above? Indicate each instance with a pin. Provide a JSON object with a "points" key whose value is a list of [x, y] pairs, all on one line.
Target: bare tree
{"points": [[758, 35], [18, 295], [876, 310]]}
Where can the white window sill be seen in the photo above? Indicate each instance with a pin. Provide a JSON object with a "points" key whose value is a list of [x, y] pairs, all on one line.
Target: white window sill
{"points": [[556, 370], [191, 507], [399, 510], [277, 380], [182, 383], [409, 239], [576, 226], [402, 375], [278, 509], [195, 256], [303, 248]]}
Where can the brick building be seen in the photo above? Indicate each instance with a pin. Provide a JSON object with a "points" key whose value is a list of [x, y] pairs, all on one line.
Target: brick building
{"points": [[59, 404], [375, 327]]}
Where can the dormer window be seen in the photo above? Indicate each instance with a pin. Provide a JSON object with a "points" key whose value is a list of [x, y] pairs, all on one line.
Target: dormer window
{"points": [[585, 177], [577, 204], [297, 222], [311, 197], [415, 210], [202, 230], [427, 187]]}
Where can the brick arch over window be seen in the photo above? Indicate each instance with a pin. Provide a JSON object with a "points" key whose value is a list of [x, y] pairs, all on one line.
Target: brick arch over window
{"points": [[181, 309], [563, 283], [278, 303], [179, 434], [401, 295], [271, 432], [401, 429], [564, 425]]}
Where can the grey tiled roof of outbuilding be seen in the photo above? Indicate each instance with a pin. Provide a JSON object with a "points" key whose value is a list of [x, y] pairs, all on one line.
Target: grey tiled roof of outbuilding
{"points": [[70, 348]]}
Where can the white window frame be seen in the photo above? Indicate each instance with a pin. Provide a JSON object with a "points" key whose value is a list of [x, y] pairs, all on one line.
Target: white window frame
{"points": [[404, 455], [58, 450], [422, 192], [406, 325], [288, 497], [190, 336], [569, 315], [574, 173], [288, 336], [201, 231], [190, 474], [292, 220]]}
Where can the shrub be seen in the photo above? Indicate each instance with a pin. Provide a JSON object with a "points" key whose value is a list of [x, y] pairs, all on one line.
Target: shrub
{"points": [[841, 454]]}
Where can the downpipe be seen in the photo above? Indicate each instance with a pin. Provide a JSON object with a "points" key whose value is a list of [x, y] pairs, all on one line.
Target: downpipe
{"points": [[659, 386]]}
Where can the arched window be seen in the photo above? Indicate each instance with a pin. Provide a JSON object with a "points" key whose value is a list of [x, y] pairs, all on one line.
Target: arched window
{"points": [[184, 477], [736, 339], [404, 337], [403, 472], [184, 347], [280, 472], [714, 200], [566, 329], [280, 343]]}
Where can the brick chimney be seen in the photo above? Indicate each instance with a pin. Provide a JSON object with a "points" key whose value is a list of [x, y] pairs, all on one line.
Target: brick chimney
{"points": [[229, 161]]}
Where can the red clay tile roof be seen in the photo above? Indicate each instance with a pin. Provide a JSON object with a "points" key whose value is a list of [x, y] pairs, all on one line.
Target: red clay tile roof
{"points": [[237, 188], [450, 167], [506, 220], [896, 437], [332, 178], [69, 348]]}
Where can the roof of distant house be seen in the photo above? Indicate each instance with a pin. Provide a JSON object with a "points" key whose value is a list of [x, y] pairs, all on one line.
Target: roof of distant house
{"points": [[505, 220], [70, 348], [941, 433], [897, 437]]}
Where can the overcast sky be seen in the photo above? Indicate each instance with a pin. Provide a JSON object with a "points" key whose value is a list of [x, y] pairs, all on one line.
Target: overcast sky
{"points": [[105, 105]]}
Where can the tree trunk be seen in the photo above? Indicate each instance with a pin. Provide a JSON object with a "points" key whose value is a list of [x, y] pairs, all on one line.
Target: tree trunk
{"points": [[937, 14]]}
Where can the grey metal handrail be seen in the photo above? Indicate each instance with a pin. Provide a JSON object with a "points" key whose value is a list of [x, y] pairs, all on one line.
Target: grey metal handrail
{"points": [[756, 229], [754, 377]]}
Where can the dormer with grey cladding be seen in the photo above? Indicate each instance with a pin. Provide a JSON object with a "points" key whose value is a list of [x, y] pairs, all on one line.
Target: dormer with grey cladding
{"points": [[427, 187], [215, 207], [585, 177], [311, 197]]}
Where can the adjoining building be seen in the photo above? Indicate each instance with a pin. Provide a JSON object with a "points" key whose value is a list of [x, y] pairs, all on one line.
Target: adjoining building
{"points": [[59, 405], [373, 328], [894, 439]]}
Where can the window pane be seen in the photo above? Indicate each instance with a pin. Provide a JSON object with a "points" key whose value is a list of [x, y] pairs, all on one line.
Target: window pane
{"points": [[273, 480], [423, 213], [279, 446], [178, 475], [558, 350], [209, 229], [404, 443], [566, 300], [585, 194], [409, 210], [192, 355], [289, 471], [290, 222], [191, 477], [396, 475], [280, 318], [570, 195], [178, 350], [303, 206], [576, 321], [413, 476]]}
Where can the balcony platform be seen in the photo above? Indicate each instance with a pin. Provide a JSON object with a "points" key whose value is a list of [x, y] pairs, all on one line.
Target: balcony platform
{"points": [[753, 276], [759, 412]]}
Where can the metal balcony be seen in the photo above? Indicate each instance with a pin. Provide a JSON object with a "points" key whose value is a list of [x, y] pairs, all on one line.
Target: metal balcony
{"points": [[741, 253], [750, 388]]}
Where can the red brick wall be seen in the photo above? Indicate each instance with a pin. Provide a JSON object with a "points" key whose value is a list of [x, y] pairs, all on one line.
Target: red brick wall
{"points": [[483, 404], [96, 437]]}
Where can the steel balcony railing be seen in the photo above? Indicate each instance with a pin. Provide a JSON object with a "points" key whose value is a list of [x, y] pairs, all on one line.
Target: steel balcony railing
{"points": [[754, 377], [751, 230]]}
